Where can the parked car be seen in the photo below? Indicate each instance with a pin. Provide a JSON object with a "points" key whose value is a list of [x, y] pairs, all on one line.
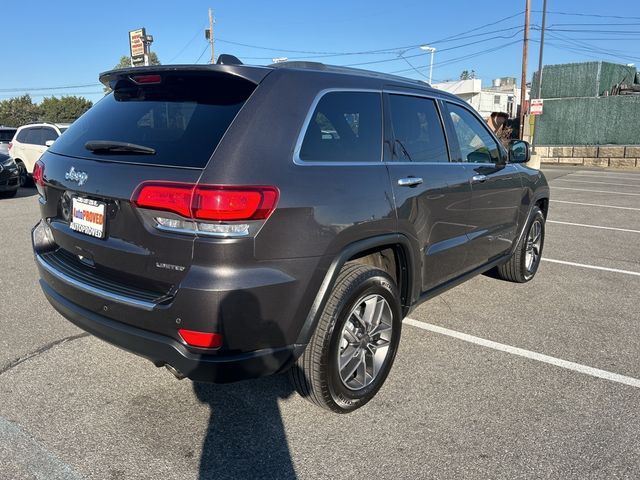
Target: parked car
{"points": [[6, 134], [9, 176], [30, 142], [231, 221]]}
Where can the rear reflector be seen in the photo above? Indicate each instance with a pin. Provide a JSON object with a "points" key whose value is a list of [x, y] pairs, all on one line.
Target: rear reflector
{"points": [[38, 173], [201, 339], [208, 202]]}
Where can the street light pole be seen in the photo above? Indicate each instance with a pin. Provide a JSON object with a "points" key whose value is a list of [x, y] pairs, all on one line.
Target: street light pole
{"points": [[432, 51]]}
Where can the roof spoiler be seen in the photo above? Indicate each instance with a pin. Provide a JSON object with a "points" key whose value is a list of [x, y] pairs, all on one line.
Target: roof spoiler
{"points": [[249, 73]]}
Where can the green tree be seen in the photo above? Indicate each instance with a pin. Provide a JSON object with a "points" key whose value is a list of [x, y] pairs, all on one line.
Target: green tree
{"points": [[468, 75], [17, 111], [64, 109], [125, 62]]}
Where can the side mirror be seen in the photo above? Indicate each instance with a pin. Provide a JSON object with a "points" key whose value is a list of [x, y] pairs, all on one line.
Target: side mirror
{"points": [[519, 151], [48, 143]]}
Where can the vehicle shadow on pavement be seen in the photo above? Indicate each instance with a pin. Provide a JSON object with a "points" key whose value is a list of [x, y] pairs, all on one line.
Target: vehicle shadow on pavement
{"points": [[245, 437], [26, 192]]}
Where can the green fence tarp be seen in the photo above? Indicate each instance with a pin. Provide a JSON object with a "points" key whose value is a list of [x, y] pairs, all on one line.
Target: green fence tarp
{"points": [[589, 79], [590, 121]]}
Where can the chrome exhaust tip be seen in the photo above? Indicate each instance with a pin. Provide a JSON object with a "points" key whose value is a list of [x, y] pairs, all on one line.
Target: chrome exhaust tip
{"points": [[176, 373]]}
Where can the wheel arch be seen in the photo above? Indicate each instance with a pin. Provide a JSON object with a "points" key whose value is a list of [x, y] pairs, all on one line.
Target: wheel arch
{"points": [[365, 251]]}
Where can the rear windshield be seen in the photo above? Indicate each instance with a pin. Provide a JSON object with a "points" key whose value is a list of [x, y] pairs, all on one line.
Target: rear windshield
{"points": [[6, 135], [182, 118]]}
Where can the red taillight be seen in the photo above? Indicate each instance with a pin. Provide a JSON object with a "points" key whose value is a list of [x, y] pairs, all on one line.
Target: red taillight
{"points": [[208, 202], [168, 197], [10, 146], [233, 203], [38, 173], [201, 339]]}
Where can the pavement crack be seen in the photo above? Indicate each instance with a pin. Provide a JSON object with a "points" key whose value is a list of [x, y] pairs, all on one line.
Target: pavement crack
{"points": [[441, 298], [41, 350]]}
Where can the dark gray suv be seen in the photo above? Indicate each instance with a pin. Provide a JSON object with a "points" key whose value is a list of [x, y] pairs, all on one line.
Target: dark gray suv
{"points": [[232, 221]]}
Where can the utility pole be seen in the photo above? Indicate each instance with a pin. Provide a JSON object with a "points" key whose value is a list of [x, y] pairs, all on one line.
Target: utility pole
{"points": [[539, 92], [213, 58], [525, 52]]}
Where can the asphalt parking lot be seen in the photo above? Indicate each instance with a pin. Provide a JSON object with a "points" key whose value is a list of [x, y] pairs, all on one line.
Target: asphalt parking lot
{"points": [[493, 380]]}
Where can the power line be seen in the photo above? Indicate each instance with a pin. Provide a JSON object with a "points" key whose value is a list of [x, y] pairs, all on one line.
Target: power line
{"points": [[62, 87], [201, 54], [440, 51], [464, 57], [458, 36], [186, 45], [593, 15]]}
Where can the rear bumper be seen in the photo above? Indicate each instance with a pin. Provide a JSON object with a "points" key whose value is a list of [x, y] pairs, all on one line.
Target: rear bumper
{"points": [[9, 181], [163, 350]]}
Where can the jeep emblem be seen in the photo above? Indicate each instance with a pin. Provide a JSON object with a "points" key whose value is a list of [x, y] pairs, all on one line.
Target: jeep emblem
{"points": [[76, 176]]}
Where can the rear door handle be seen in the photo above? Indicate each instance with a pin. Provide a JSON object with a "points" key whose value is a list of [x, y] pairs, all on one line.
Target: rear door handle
{"points": [[409, 181], [479, 178]]}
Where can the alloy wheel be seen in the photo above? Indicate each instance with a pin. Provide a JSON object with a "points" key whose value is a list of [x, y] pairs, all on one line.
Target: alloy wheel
{"points": [[533, 248], [364, 342]]}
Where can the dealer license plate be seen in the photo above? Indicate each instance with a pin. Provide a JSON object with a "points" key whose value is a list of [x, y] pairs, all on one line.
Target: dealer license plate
{"points": [[88, 217]]}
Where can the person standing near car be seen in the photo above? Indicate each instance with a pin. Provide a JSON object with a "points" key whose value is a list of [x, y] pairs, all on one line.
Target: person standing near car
{"points": [[497, 120]]}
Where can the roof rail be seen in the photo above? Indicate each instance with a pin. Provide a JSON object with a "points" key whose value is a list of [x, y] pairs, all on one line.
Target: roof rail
{"points": [[304, 65]]}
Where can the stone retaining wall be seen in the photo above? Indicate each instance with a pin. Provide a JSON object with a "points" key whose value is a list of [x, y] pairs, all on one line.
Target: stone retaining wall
{"points": [[619, 156]]}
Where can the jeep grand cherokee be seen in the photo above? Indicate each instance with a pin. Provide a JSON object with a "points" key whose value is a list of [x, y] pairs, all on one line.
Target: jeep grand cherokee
{"points": [[232, 221]]}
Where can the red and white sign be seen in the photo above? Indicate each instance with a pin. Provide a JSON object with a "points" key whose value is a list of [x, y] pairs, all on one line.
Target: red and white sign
{"points": [[537, 105], [137, 46]]}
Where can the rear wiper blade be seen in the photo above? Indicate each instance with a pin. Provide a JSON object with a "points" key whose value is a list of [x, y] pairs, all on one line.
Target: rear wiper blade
{"points": [[118, 147]]}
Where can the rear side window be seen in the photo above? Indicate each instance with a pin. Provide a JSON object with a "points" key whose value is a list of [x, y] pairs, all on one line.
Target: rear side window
{"points": [[344, 127], [417, 130], [183, 118], [30, 136]]}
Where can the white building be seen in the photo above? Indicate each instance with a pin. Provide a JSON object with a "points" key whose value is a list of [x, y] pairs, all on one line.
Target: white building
{"points": [[502, 96]]}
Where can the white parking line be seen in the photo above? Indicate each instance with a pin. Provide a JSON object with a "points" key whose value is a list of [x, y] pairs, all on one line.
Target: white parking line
{"points": [[553, 187], [521, 352], [566, 179], [595, 205], [594, 226], [592, 267], [620, 176]]}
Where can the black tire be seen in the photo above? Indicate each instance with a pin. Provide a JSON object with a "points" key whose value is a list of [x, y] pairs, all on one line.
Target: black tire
{"points": [[517, 268], [24, 180], [316, 375]]}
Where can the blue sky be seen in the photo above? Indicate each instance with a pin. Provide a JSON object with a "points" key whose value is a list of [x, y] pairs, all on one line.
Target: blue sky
{"points": [[68, 43]]}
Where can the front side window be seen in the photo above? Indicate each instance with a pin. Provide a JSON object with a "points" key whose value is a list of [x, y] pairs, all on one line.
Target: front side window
{"points": [[418, 133], [476, 145], [344, 127]]}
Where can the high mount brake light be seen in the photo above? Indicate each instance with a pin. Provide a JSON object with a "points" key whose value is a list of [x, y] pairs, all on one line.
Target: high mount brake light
{"points": [[208, 202], [146, 79]]}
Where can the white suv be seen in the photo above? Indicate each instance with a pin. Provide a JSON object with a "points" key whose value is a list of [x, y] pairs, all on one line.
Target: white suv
{"points": [[31, 141]]}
